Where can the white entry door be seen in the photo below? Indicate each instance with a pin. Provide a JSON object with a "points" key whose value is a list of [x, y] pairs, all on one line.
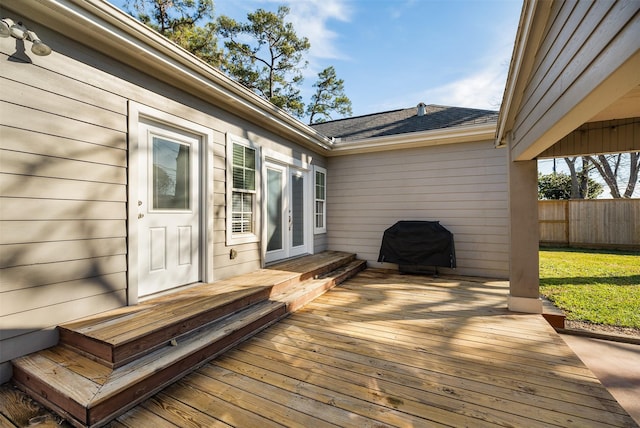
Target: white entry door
{"points": [[286, 212], [168, 209]]}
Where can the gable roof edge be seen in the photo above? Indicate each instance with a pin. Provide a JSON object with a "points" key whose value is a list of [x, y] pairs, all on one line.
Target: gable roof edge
{"points": [[529, 34]]}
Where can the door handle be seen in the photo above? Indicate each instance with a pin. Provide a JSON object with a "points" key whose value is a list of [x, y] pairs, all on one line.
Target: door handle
{"points": [[140, 215]]}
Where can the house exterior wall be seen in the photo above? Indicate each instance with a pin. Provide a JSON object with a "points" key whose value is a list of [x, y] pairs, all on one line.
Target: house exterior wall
{"points": [[464, 186], [588, 57], [63, 184]]}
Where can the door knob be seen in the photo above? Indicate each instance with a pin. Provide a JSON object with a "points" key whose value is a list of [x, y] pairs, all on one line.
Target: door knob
{"points": [[140, 215]]}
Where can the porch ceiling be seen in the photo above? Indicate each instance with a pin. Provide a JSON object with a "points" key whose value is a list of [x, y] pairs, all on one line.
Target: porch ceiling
{"points": [[625, 107]]}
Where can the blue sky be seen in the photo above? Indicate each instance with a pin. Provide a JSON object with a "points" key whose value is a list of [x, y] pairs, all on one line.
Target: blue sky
{"points": [[396, 53]]}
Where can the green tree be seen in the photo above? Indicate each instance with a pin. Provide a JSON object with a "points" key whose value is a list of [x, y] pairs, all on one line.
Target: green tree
{"points": [[266, 55], [329, 97], [579, 177], [558, 186], [178, 20]]}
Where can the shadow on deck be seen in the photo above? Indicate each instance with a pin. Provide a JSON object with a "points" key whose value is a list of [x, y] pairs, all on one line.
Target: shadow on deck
{"points": [[386, 349]]}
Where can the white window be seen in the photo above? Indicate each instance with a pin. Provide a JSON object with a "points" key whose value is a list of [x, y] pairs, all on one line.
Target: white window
{"points": [[242, 184], [320, 198]]}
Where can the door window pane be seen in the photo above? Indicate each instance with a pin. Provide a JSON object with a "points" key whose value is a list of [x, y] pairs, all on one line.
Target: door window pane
{"points": [[297, 210], [171, 187], [274, 210]]}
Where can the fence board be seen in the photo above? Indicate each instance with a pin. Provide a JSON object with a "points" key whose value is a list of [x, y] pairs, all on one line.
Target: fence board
{"points": [[597, 223]]}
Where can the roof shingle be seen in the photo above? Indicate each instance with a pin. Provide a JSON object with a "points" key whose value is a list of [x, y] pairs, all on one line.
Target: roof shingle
{"points": [[404, 121]]}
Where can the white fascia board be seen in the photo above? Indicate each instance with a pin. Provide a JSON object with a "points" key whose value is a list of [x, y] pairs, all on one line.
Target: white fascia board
{"points": [[463, 134], [506, 115], [531, 30], [111, 31]]}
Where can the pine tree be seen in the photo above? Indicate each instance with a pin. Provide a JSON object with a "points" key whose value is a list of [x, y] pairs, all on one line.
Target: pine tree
{"points": [[179, 21], [266, 55], [329, 97]]}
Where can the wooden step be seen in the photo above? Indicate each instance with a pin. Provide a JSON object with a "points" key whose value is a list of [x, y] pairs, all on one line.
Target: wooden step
{"points": [[554, 316], [90, 394], [120, 337], [306, 291], [347, 271], [107, 363], [325, 262]]}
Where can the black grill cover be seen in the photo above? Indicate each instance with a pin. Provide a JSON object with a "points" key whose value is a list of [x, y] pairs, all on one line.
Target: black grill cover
{"points": [[418, 243]]}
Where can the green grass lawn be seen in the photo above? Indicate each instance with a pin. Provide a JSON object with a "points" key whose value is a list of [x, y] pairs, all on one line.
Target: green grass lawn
{"points": [[600, 287]]}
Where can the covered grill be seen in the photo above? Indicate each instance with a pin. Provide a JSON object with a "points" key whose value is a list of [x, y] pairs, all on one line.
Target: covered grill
{"points": [[418, 246]]}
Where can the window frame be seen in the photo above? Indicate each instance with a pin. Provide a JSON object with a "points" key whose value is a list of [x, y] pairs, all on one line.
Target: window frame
{"points": [[323, 213], [236, 238]]}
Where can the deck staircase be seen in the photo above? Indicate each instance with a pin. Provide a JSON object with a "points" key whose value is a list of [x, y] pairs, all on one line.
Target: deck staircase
{"points": [[108, 363]]}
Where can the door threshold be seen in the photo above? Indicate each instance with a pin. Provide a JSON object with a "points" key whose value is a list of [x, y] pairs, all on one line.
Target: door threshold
{"points": [[275, 262], [170, 291]]}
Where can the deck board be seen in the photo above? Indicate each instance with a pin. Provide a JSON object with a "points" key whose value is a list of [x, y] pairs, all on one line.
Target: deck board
{"points": [[487, 390], [438, 376], [385, 349]]}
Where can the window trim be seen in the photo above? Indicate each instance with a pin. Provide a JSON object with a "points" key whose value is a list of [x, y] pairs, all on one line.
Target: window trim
{"points": [[316, 229], [241, 238]]}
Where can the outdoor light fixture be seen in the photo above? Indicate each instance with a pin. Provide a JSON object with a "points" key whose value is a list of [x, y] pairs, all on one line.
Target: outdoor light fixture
{"points": [[38, 47], [20, 32], [5, 27], [10, 28]]}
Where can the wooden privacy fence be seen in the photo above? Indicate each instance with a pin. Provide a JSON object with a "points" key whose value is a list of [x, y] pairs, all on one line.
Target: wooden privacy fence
{"points": [[596, 223]]}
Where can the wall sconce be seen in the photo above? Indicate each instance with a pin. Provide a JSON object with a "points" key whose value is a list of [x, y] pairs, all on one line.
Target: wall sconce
{"points": [[8, 28], [38, 47]]}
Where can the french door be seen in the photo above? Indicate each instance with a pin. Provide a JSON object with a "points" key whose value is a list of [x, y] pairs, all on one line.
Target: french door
{"points": [[168, 209], [286, 220]]}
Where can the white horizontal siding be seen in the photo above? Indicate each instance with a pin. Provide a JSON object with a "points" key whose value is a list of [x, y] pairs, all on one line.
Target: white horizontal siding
{"points": [[37, 231], [25, 141], [463, 186], [63, 200], [320, 243], [59, 209]]}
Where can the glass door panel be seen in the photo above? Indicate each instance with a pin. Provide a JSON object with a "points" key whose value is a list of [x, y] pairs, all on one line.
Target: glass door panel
{"points": [[286, 227], [274, 210], [297, 209], [171, 187], [276, 215]]}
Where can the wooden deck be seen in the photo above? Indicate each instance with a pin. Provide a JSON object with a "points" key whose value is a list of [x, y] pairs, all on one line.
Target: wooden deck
{"points": [[106, 364], [385, 349]]}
